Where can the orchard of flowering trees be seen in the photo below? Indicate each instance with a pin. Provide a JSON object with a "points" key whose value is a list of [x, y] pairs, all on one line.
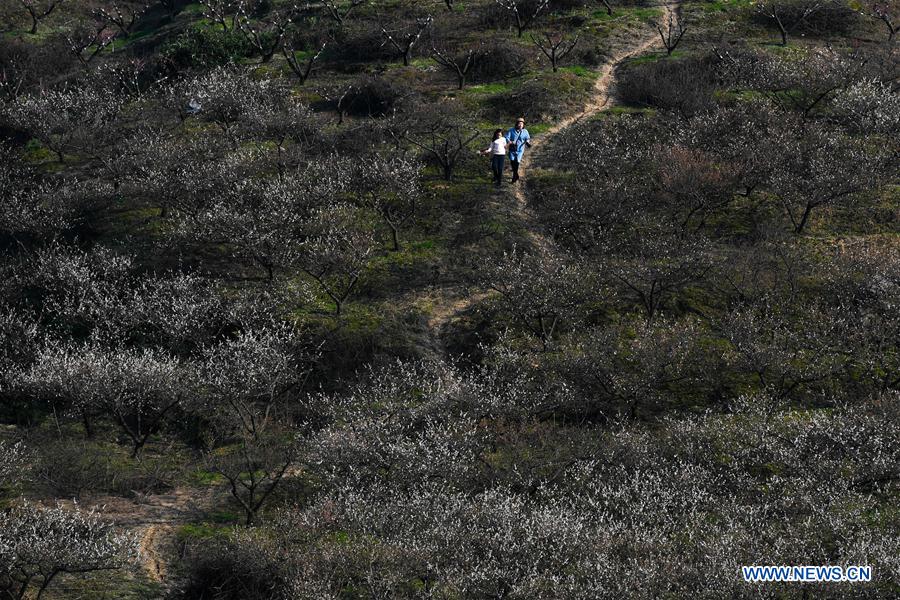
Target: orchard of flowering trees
{"points": [[267, 331]]}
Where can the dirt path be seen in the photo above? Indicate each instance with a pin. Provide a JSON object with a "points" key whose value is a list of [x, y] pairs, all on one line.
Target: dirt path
{"points": [[154, 519], [444, 313], [598, 103]]}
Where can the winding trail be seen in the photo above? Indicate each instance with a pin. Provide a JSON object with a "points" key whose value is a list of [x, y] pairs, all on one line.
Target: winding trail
{"points": [[600, 100], [154, 519], [598, 103]]}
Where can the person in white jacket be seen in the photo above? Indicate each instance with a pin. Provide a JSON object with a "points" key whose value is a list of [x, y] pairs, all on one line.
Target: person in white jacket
{"points": [[497, 150]]}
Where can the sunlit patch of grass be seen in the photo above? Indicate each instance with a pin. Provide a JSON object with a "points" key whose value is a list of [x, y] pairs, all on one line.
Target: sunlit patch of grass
{"points": [[35, 152], [202, 477], [201, 531], [655, 56], [409, 254], [121, 42], [646, 14], [195, 8], [723, 5], [422, 63], [538, 128], [578, 70], [490, 88], [603, 15]]}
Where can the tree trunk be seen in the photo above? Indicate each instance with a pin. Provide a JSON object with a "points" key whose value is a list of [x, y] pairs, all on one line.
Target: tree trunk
{"points": [[799, 227], [24, 588], [136, 447], [782, 31], [44, 585], [88, 426], [395, 240]]}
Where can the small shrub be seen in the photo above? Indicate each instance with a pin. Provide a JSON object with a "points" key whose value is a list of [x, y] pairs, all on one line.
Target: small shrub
{"points": [[373, 97], [833, 17], [232, 569], [66, 469], [206, 47], [537, 99], [499, 62], [494, 16], [30, 64], [359, 45], [589, 55], [684, 85]]}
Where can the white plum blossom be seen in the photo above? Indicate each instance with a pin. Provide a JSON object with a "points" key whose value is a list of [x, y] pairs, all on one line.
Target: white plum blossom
{"points": [[38, 543]]}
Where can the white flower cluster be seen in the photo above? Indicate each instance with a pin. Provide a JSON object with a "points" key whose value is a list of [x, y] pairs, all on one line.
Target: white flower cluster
{"points": [[38, 543], [654, 512]]}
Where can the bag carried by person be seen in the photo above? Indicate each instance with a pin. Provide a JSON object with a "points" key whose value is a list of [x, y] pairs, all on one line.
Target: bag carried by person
{"points": [[513, 145]]}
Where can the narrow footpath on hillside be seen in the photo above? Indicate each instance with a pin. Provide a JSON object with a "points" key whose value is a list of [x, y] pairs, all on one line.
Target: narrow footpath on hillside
{"points": [[444, 313], [599, 102]]}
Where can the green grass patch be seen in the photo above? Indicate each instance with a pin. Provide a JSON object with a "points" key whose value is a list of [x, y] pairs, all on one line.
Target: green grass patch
{"points": [[410, 253], [201, 531], [602, 15], [224, 517], [489, 88], [195, 8], [538, 128], [422, 62], [645, 14], [122, 42], [355, 318], [202, 477], [36, 152], [579, 71], [723, 5], [653, 57]]}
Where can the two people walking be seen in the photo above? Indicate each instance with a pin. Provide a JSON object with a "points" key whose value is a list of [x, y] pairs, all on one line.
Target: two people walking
{"points": [[513, 143]]}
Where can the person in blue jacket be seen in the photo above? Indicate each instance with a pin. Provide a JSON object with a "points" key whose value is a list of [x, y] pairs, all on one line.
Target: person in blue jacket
{"points": [[518, 139]]}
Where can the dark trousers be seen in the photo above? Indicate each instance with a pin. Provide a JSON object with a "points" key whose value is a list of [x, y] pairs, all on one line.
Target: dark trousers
{"points": [[515, 169], [497, 167]]}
